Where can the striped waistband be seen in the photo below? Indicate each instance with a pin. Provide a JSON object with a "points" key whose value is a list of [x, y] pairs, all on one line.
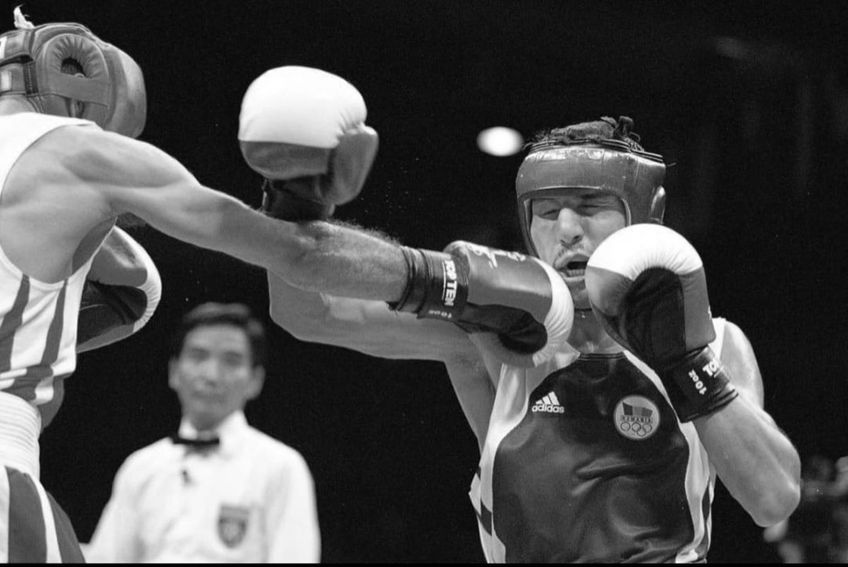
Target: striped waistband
{"points": [[20, 427]]}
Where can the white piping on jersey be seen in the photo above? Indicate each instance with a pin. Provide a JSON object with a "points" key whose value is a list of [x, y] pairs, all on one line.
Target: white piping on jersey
{"points": [[5, 502]]}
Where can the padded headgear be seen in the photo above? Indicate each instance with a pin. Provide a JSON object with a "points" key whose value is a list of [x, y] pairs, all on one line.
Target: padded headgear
{"points": [[573, 160], [112, 88]]}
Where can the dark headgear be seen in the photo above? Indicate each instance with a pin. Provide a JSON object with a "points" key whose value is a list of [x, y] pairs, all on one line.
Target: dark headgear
{"points": [[592, 156], [111, 90]]}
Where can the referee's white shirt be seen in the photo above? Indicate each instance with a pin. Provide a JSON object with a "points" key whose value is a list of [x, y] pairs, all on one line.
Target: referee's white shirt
{"points": [[252, 499]]}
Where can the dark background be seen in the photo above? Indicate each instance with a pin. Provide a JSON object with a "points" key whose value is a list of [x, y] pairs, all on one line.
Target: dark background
{"points": [[748, 99]]}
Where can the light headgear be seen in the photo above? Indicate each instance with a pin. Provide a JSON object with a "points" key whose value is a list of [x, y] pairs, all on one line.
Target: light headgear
{"points": [[617, 166], [112, 88]]}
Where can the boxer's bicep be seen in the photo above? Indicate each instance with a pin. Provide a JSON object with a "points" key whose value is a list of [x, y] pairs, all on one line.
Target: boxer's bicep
{"points": [[135, 177], [163, 193]]}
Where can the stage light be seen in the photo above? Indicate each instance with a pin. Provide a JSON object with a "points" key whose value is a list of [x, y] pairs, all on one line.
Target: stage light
{"points": [[500, 141]]}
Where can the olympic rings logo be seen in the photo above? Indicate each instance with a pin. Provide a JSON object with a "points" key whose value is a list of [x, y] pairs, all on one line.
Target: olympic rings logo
{"points": [[638, 429], [636, 417]]}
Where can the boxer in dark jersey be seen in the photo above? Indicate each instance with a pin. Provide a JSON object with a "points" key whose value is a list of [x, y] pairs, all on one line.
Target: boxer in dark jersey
{"points": [[607, 449]]}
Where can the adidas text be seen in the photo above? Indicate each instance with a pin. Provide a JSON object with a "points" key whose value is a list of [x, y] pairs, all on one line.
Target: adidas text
{"points": [[547, 408]]}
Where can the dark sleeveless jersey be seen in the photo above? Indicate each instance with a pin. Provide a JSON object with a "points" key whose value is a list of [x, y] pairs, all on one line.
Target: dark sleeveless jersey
{"points": [[585, 461]]}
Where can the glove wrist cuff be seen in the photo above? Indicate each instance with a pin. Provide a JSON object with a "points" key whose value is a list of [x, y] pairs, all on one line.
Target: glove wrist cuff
{"points": [[280, 200], [698, 385], [435, 287]]}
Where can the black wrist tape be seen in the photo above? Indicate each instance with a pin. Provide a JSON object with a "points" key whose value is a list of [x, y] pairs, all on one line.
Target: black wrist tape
{"points": [[414, 265], [436, 287], [699, 385]]}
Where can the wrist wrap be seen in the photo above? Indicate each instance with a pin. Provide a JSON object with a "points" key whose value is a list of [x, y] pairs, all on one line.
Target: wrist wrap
{"points": [[436, 288], [698, 385]]}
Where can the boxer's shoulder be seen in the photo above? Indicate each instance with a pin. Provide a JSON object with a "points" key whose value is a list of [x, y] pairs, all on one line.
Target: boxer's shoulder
{"points": [[97, 159], [66, 156]]}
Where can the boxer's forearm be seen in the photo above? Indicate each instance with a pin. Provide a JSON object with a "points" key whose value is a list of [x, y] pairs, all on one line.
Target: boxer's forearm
{"points": [[338, 260], [754, 460], [314, 256]]}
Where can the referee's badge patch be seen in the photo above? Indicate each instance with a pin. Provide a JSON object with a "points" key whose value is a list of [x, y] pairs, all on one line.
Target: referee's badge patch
{"points": [[232, 524], [636, 417]]}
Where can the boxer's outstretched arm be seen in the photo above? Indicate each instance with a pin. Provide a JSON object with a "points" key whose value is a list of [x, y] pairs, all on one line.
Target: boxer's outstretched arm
{"points": [[372, 328], [367, 326], [126, 175]]}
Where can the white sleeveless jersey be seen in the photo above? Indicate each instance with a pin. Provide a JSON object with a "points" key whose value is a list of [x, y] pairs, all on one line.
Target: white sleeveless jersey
{"points": [[38, 320], [585, 461]]}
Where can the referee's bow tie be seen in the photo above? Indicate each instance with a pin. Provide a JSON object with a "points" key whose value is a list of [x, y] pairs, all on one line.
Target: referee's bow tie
{"points": [[196, 443]]}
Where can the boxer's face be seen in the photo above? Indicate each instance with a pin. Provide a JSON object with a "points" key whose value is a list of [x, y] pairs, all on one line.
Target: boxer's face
{"points": [[214, 374], [567, 228]]}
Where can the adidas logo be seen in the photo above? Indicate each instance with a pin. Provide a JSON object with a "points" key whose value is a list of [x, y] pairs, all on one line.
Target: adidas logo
{"points": [[548, 404]]}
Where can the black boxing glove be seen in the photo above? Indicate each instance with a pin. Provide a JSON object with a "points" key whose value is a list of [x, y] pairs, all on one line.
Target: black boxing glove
{"points": [[646, 285], [516, 306], [304, 130]]}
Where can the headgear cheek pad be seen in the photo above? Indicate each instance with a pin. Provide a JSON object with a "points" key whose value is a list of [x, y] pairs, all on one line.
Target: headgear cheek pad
{"points": [[607, 165], [111, 91]]}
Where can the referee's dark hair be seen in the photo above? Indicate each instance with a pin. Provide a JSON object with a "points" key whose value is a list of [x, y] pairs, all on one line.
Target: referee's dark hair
{"points": [[236, 314]]}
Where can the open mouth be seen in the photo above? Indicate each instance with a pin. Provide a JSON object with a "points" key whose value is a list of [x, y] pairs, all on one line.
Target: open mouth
{"points": [[575, 268]]}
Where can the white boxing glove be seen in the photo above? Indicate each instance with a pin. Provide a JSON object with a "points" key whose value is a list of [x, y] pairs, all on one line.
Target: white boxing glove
{"points": [[303, 129]]}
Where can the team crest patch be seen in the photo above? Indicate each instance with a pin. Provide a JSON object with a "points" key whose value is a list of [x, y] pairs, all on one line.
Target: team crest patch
{"points": [[636, 417], [232, 524]]}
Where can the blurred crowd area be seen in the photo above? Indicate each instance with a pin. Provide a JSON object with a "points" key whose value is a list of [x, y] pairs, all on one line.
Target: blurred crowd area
{"points": [[817, 532]]}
